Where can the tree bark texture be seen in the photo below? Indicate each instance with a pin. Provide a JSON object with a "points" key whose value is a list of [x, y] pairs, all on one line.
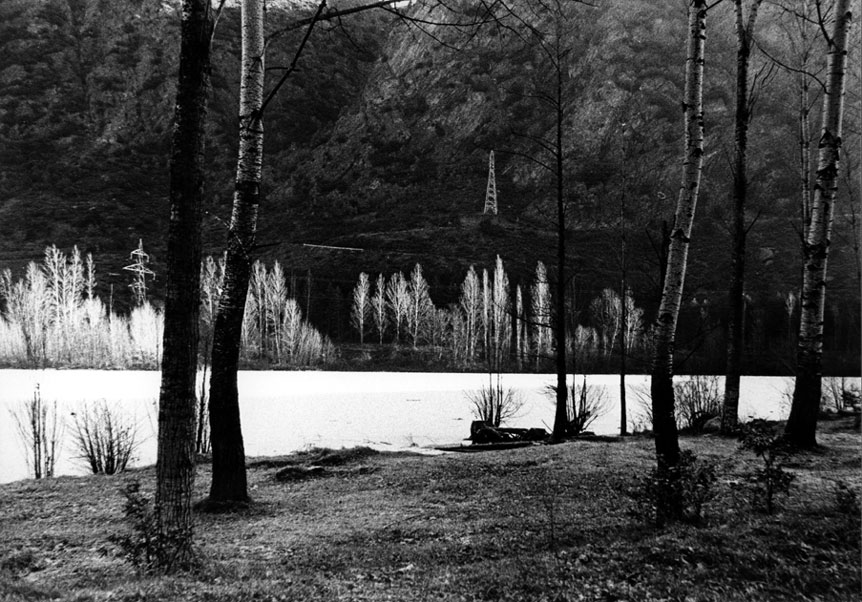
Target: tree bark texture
{"points": [[736, 300], [802, 424], [175, 469], [661, 389], [229, 481]]}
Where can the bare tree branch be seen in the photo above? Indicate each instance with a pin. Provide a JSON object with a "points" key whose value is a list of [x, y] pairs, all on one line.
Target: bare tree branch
{"points": [[529, 157], [295, 60], [789, 68], [329, 15], [821, 21]]}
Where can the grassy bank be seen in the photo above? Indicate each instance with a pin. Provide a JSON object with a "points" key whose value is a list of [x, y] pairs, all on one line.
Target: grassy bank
{"points": [[540, 523]]}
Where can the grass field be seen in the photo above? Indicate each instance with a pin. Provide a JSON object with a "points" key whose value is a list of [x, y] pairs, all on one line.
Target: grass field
{"points": [[539, 523]]}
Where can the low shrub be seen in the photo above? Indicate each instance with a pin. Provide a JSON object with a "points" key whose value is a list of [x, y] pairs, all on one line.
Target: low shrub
{"points": [[142, 545], [493, 404], [138, 545], [839, 393], [641, 417], [676, 494], [698, 400], [105, 439], [41, 433], [847, 500], [584, 404], [772, 449]]}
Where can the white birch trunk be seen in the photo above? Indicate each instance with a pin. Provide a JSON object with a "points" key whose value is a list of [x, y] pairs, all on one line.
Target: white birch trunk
{"points": [[229, 482], [664, 420], [802, 423]]}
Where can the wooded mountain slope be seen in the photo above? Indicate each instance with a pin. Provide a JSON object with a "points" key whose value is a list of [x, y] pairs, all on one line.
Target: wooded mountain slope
{"points": [[380, 142]]}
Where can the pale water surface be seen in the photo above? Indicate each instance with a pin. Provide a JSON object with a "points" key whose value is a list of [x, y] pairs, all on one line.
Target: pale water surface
{"points": [[288, 411]]}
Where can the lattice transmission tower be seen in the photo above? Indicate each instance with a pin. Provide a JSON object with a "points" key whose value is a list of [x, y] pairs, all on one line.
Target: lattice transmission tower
{"points": [[141, 271], [491, 191]]}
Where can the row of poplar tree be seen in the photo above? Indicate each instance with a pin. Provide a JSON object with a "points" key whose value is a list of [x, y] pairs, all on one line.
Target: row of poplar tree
{"points": [[492, 324], [52, 316]]}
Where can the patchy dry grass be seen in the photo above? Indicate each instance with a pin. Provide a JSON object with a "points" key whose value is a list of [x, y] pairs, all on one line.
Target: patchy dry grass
{"points": [[539, 523]]}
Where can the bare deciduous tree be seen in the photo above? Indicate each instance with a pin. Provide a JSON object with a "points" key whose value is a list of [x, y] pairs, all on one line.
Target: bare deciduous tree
{"points": [[420, 308], [397, 302], [501, 321], [471, 308], [801, 426], [378, 305], [361, 309], [736, 300], [541, 305], [175, 468], [229, 483], [661, 387]]}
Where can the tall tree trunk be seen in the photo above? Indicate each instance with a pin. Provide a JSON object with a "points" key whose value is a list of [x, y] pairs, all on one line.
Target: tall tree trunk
{"points": [[661, 388], [175, 469], [623, 318], [736, 300], [229, 482], [801, 426], [561, 413]]}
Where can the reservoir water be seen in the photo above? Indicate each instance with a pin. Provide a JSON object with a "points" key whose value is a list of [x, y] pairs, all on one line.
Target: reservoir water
{"points": [[288, 411]]}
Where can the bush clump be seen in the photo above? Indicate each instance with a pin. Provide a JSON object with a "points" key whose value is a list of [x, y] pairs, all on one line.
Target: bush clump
{"points": [[772, 449], [698, 399], [676, 494], [138, 546], [584, 404], [494, 404], [142, 545], [106, 440]]}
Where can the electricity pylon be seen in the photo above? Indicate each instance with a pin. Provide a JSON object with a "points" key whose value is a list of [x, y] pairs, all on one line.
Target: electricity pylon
{"points": [[491, 191], [141, 271]]}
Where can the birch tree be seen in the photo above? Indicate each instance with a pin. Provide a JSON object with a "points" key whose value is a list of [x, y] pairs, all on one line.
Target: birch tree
{"points": [[661, 387], [254, 330], [229, 483], [361, 309], [471, 308], [175, 467], [486, 315], [397, 302], [378, 306], [541, 307], [606, 311], [420, 309], [501, 326], [275, 296], [291, 328], [736, 301], [522, 342], [801, 426]]}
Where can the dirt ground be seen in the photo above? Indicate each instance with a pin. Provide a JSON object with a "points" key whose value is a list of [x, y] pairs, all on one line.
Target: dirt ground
{"points": [[538, 523]]}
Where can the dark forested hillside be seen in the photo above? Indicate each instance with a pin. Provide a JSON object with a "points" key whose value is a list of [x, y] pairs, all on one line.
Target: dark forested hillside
{"points": [[380, 142], [86, 97]]}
